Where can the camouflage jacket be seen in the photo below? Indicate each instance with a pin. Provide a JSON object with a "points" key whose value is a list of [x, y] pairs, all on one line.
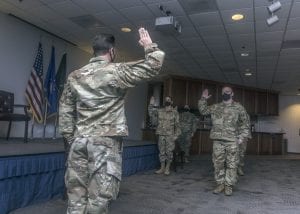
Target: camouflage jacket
{"points": [[188, 123], [165, 120], [92, 103], [229, 121]]}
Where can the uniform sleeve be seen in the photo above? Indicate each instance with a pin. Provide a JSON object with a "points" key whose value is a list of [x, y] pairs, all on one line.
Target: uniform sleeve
{"points": [[177, 130], [130, 74], [153, 114], [67, 112], [244, 125], [203, 108]]}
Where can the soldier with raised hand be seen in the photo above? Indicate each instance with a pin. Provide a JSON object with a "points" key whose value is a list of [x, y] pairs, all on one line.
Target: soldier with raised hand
{"points": [[230, 127], [92, 119], [166, 120], [188, 126]]}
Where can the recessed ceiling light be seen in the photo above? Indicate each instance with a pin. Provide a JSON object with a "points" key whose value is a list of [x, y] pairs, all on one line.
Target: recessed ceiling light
{"points": [[126, 29], [248, 74], [237, 17], [244, 54]]}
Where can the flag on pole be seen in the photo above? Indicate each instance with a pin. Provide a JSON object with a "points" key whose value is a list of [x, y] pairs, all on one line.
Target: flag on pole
{"points": [[50, 86], [61, 75], [34, 89]]}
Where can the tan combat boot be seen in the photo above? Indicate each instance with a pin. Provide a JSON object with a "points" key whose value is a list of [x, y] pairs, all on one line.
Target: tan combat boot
{"points": [[162, 168], [240, 171], [219, 189], [228, 190], [167, 171]]}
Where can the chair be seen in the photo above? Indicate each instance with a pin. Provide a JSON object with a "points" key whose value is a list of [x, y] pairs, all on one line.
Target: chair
{"points": [[7, 112]]}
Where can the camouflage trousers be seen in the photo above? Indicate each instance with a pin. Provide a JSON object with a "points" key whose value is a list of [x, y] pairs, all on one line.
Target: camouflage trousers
{"points": [[166, 146], [242, 151], [225, 159], [184, 142], [93, 174]]}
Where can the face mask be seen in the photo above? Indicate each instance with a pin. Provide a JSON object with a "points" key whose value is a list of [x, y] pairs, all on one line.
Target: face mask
{"points": [[226, 97], [167, 103], [186, 110]]}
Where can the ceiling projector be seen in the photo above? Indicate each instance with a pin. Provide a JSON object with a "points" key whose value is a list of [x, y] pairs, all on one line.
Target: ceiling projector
{"points": [[167, 25]]}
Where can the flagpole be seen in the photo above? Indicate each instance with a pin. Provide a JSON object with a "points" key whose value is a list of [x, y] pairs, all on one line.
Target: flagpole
{"points": [[32, 127], [45, 118]]}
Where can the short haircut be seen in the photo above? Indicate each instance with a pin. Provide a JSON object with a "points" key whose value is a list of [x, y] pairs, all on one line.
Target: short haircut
{"points": [[102, 43]]}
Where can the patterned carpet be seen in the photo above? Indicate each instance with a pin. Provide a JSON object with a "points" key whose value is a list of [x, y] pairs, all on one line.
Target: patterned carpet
{"points": [[271, 186]]}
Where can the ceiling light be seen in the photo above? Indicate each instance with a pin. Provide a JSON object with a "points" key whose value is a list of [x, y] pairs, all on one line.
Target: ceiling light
{"points": [[244, 54], [125, 29], [248, 74], [274, 7], [237, 17], [272, 20]]}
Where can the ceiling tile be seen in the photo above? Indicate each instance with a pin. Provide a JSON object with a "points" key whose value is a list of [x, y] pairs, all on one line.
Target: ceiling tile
{"points": [[233, 4], [295, 10], [269, 36], [68, 9], [188, 32], [217, 30], [45, 13], [121, 4], [93, 6], [137, 13], [28, 4], [293, 24], [206, 19], [111, 17], [272, 45], [292, 35], [262, 26], [240, 28]]}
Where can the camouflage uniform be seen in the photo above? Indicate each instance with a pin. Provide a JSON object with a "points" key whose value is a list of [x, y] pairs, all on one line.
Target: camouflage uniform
{"points": [[230, 124], [188, 126], [92, 118], [242, 152], [167, 121]]}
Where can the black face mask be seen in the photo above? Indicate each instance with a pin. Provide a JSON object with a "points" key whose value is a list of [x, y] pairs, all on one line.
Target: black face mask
{"points": [[186, 110], [226, 97], [168, 103]]}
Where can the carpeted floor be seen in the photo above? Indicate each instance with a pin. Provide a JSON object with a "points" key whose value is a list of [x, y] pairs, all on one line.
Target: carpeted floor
{"points": [[271, 186]]}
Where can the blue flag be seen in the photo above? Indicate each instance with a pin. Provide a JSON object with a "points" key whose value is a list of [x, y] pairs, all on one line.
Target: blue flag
{"points": [[50, 86]]}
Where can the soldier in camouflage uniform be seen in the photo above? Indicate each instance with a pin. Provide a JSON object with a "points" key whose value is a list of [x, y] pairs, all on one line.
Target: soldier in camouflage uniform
{"points": [[166, 121], [92, 118], [231, 126], [188, 126]]}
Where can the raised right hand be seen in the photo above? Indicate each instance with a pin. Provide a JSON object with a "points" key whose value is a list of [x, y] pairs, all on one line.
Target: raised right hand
{"points": [[145, 38], [205, 94]]}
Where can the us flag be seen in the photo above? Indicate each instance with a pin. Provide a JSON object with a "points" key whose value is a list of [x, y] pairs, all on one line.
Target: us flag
{"points": [[34, 89]]}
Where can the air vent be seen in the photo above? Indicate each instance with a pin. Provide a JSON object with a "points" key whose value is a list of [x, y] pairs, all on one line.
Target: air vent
{"points": [[88, 22], [198, 6], [291, 44]]}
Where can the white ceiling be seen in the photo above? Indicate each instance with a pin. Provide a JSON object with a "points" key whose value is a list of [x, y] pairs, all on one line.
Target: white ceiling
{"points": [[209, 46]]}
